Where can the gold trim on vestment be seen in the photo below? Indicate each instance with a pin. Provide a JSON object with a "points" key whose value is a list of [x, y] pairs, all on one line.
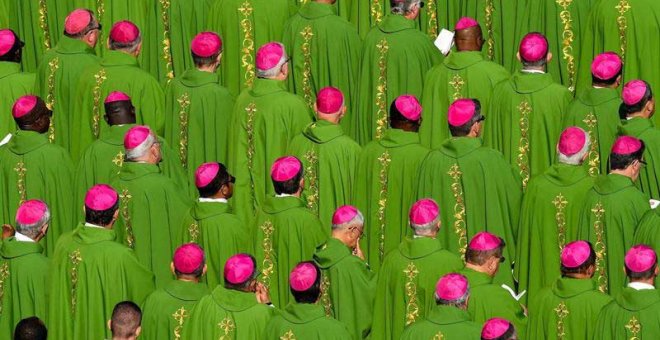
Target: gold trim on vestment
{"points": [[384, 161], [180, 317], [312, 181], [20, 181], [193, 232], [100, 78], [560, 204], [432, 23], [326, 302], [600, 248], [119, 160], [457, 83], [43, 23], [523, 144], [125, 198], [489, 9], [251, 111], [594, 157], [381, 89], [412, 309], [53, 65], [184, 105], [622, 8], [227, 325], [267, 265], [75, 259], [288, 336], [634, 327], [167, 41], [376, 10], [247, 60], [567, 40], [460, 227], [306, 48], [4, 275], [562, 312]]}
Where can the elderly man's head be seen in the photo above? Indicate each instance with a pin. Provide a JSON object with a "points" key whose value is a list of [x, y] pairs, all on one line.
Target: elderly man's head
{"points": [[142, 145], [348, 225], [272, 61]]}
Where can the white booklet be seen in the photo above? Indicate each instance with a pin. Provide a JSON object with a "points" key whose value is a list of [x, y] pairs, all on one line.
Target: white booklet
{"points": [[445, 41]]}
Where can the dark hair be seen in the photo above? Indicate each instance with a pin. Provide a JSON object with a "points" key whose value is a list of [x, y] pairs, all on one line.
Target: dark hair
{"points": [[100, 217], [221, 178], [625, 110], [463, 130], [508, 335], [620, 161], [581, 269], [126, 318], [480, 257], [31, 328], [118, 107], [196, 273], [243, 286], [645, 275], [15, 54], [312, 294], [605, 82], [289, 187], [115, 45], [542, 61], [397, 118], [92, 25], [204, 61]]}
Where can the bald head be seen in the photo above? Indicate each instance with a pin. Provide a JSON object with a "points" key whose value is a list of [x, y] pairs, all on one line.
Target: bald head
{"points": [[125, 322], [469, 39]]}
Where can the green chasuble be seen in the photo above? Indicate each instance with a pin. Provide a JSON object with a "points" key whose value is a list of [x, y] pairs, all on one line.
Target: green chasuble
{"points": [[24, 276], [197, 119], [57, 77], [152, 209], [305, 321], [610, 214], [325, 51], [644, 129], [525, 122], [460, 75], [596, 110], [446, 323], [341, 7], [634, 314], [91, 273], [385, 190], [245, 25], [118, 71], [167, 310], [406, 284], [395, 59], [348, 287], [647, 231], [330, 160], [265, 120], [550, 214], [13, 85], [228, 314], [32, 168], [221, 234], [477, 190], [286, 234], [566, 310]]}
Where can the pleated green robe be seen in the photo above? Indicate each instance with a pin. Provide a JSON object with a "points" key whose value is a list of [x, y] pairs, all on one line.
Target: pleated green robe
{"points": [[305, 321], [648, 231], [341, 7], [13, 85], [634, 314], [446, 323], [644, 129]]}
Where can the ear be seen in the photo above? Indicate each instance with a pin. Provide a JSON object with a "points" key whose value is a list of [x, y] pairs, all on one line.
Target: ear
{"points": [[518, 57], [204, 269], [549, 57], [109, 324], [316, 108], [115, 215], [172, 268], [138, 331]]}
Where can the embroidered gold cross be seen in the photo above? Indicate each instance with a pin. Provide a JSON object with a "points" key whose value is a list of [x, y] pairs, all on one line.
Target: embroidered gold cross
{"points": [[20, 183], [457, 83], [179, 316], [193, 231], [455, 172], [560, 204], [412, 309], [439, 336], [561, 312], [119, 159], [288, 336], [590, 120], [227, 325], [385, 161], [634, 327], [246, 8]]}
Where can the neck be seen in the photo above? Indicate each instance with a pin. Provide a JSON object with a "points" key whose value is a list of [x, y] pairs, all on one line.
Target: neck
{"points": [[579, 276], [207, 68], [650, 281], [187, 278], [332, 118], [639, 114], [476, 268], [120, 121], [534, 68], [328, 2], [623, 172]]}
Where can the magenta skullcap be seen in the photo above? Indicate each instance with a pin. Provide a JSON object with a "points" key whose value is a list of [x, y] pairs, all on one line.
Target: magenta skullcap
{"points": [[633, 92], [124, 32], [7, 41], [205, 173], [533, 47], [269, 55], [116, 96], [606, 65], [424, 211], [344, 214], [571, 141], [77, 20], [451, 287], [239, 268], [136, 136], [101, 197], [188, 258], [285, 168], [31, 212], [329, 100], [24, 105], [575, 254], [206, 44], [408, 106], [461, 111], [640, 258], [303, 277], [484, 241], [495, 328], [626, 145], [465, 22]]}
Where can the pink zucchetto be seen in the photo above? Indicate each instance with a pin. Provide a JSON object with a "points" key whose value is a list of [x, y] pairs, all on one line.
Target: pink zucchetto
{"points": [[461, 111], [606, 65], [640, 258], [408, 106], [116, 96], [329, 100], [205, 173], [136, 136], [188, 258], [344, 214], [206, 44], [269, 55], [626, 145], [571, 141], [124, 32], [465, 22], [76, 21], [238, 269], [31, 212], [575, 254], [7, 41], [533, 47], [484, 241], [302, 277], [494, 328], [451, 287], [24, 105], [101, 197], [424, 211], [285, 168], [633, 92]]}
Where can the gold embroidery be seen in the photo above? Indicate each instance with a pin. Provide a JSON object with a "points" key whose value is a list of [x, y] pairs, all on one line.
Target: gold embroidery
{"points": [[385, 161], [302, 2], [20, 182], [119, 160], [227, 325], [179, 316], [439, 336], [100, 11], [432, 28], [634, 327], [267, 265], [50, 98], [193, 231], [96, 110], [311, 177], [523, 145], [376, 12], [75, 259], [325, 294], [381, 89], [125, 198], [412, 309], [43, 23], [622, 7], [251, 111], [459, 208], [4, 275], [167, 42], [184, 104], [594, 158], [306, 47], [560, 203], [562, 313], [490, 41], [288, 336], [567, 41], [457, 83], [247, 60], [599, 247]]}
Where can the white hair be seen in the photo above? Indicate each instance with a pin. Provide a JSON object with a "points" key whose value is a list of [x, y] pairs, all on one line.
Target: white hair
{"points": [[456, 302], [357, 220], [275, 70], [403, 7], [32, 230], [423, 229], [140, 150], [577, 158]]}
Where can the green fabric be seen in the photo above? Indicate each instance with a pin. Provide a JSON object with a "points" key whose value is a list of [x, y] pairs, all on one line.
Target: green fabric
{"points": [[485, 179], [57, 77], [406, 284], [397, 68], [611, 228], [286, 234], [550, 214], [225, 307], [597, 112], [461, 75], [47, 174], [582, 303], [350, 288], [259, 137], [340, 7], [547, 103], [121, 74], [644, 129], [197, 99], [615, 318], [387, 175], [446, 323], [305, 321], [219, 232], [152, 209], [647, 231], [90, 274], [13, 85], [24, 272], [330, 160], [167, 310]]}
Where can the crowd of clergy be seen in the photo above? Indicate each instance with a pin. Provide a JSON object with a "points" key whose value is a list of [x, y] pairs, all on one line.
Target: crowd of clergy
{"points": [[329, 169]]}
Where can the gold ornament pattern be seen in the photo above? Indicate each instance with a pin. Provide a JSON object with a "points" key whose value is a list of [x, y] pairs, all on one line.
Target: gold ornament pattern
{"points": [[125, 199], [432, 23], [193, 231], [599, 247], [251, 111], [457, 84], [267, 265], [180, 317], [439, 336], [288, 336], [247, 60], [567, 40], [325, 295], [100, 78], [184, 105], [75, 259], [412, 309], [376, 10], [634, 327], [560, 204], [100, 12], [460, 227], [20, 182], [311, 169], [227, 326], [306, 48], [43, 23], [489, 10], [381, 89], [4, 276], [562, 312], [53, 65], [622, 8], [523, 144], [167, 41], [594, 158], [119, 160], [384, 161]]}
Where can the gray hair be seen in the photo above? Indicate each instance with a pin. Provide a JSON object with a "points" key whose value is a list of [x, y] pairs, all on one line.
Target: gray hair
{"points": [[402, 7], [126, 47], [357, 220], [423, 229], [576, 159], [275, 70], [461, 301], [32, 230], [140, 150]]}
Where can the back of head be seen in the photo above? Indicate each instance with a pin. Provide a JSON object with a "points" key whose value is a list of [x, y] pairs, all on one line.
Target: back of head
{"points": [[403, 7], [462, 115], [189, 261], [606, 69], [101, 204], [468, 36], [31, 328], [498, 329], [31, 113], [573, 145], [126, 320], [405, 113], [270, 60], [211, 177], [119, 109], [205, 48], [305, 282], [533, 50], [483, 247], [79, 23], [452, 290], [240, 271], [635, 95], [11, 47], [577, 258], [286, 174], [31, 217], [125, 36], [138, 142], [625, 151], [641, 263], [424, 217]]}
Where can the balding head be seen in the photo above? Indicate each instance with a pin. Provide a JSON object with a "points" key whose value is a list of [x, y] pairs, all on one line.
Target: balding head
{"points": [[469, 39], [126, 320]]}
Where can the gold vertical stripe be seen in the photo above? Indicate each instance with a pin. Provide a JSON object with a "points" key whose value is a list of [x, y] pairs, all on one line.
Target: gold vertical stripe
{"points": [[306, 48], [634, 327], [100, 78], [193, 231], [490, 41], [247, 60], [560, 204], [594, 158], [53, 65], [325, 294], [376, 10], [384, 161], [184, 104], [179, 317], [412, 308], [251, 111], [562, 312], [600, 248], [43, 23], [460, 227], [432, 23], [20, 181], [75, 259], [381, 89], [523, 144], [227, 325], [457, 84], [167, 41], [622, 8], [4, 276], [312, 181], [567, 40], [267, 265], [125, 199]]}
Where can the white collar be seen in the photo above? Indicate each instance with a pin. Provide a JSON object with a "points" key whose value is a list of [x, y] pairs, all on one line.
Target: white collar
{"points": [[640, 286], [22, 238], [284, 195], [533, 71], [209, 200], [599, 87], [93, 225], [5, 140]]}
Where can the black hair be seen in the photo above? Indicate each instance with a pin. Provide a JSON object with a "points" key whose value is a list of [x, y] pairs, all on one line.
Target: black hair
{"points": [[117, 107], [480, 257], [605, 82], [397, 118], [289, 187], [221, 178], [508, 335], [92, 25], [115, 45], [243, 286], [645, 275], [625, 110], [15, 53], [39, 111], [196, 273], [581, 269], [126, 318], [31, 328], [312, 294], [464, 130], [621, 161], [204, 61], [100, 217]]}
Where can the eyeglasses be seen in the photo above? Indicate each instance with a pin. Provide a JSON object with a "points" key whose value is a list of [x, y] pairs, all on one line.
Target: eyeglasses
{"points": [[481, 118], [502, 259]]}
